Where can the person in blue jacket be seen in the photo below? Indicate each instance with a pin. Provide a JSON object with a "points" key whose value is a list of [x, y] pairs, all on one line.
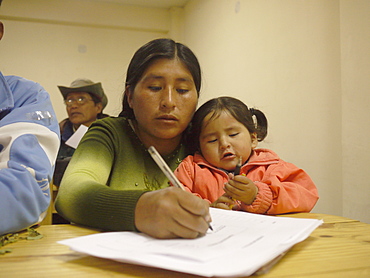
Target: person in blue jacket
{"points": [[29, 142]]}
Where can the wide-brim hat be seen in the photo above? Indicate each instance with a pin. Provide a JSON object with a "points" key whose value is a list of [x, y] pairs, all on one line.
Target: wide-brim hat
{"points": [[85, 85]]}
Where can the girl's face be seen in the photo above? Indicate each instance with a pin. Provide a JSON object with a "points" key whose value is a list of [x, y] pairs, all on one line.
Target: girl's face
{"points": [[223, 140], [164, 101]]}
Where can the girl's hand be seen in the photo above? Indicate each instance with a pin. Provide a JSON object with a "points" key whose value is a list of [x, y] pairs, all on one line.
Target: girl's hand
{"points": [[224, 202], [241, 188]]}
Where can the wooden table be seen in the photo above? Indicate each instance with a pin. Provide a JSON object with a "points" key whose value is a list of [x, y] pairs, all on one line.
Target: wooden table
{"points": [[338, 248]]}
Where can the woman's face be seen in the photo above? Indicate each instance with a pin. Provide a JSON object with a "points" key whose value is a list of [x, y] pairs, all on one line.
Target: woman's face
{"points": [[163, 101]]}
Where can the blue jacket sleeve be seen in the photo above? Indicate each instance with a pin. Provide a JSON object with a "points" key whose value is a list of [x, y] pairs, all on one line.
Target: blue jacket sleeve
{"points": [[29, 142]]}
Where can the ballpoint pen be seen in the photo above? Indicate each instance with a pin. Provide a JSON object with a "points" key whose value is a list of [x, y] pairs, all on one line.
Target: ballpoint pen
{"points": [[237, 172], [164, 167], [167, 170], [238, 166]]}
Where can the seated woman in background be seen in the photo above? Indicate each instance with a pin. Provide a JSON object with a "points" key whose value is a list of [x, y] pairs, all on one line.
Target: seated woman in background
{"points": [[85, 102], [229, 171]]}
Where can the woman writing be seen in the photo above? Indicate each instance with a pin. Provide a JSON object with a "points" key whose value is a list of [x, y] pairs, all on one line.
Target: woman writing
{"points": [[112, 182]]}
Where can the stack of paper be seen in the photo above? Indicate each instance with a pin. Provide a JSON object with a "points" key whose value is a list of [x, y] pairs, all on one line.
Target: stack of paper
{"points": [[239, 245]]}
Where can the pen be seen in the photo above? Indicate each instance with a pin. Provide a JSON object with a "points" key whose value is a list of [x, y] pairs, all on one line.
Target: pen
{"points": [[237, 172], [166, 170], [164, 167], [238, 166]]}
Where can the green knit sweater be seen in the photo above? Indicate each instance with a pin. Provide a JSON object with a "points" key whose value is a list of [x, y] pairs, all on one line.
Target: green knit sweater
{"points": [[107, 174]]}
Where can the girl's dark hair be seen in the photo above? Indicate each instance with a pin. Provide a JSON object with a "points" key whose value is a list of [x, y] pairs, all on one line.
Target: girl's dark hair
{"points": [[237, 109], [150, 52]]}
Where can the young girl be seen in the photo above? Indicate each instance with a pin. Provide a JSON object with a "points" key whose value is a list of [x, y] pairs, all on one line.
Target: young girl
{"points": [[225, 134]]}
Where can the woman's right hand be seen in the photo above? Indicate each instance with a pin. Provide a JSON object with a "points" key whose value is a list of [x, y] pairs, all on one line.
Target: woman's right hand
{"points": [[172, 213]]}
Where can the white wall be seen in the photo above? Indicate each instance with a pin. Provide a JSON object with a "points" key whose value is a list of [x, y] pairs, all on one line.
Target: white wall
{"points": [[304, 63], [355, 65]]}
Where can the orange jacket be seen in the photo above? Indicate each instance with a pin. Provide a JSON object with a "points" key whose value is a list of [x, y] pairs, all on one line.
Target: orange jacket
{"points": [[282, 187]]}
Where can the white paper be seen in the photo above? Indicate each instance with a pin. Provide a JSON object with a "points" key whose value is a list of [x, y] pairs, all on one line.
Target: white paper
{"points": [[239, 245], [76, 137]]}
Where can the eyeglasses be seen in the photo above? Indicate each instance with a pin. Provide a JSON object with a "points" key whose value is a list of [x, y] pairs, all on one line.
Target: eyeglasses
{"points": [[80, 101]]}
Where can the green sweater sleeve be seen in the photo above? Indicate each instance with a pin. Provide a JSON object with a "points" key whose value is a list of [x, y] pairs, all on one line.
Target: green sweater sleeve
{"points": [[99, 207], [106, 176]]}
